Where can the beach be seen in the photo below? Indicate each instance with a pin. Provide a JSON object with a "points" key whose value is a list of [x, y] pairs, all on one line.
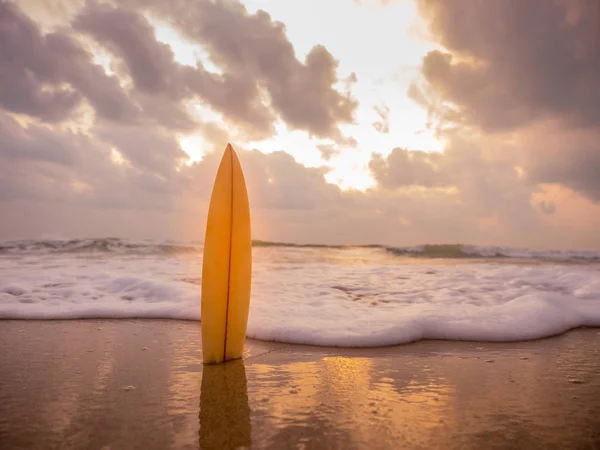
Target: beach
{"points": [[381, 218], [140, 384]]}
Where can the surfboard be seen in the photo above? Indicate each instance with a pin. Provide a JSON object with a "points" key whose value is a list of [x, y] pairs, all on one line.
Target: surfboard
{"points": [[227, 265]]}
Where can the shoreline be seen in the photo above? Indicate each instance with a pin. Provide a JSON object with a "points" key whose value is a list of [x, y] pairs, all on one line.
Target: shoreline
{"points": [[131, 383], [309, 346]]}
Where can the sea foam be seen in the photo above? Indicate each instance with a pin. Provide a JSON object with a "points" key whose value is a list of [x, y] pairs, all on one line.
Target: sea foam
{"points": [[350, 296]]}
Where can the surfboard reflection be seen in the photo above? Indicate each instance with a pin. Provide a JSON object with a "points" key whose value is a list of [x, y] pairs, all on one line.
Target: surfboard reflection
{"points": [[224, 411]]}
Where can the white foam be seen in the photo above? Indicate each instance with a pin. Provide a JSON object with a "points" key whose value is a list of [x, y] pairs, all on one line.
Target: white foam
{"points": [[393, 304], [352, 297], [91, 287]]}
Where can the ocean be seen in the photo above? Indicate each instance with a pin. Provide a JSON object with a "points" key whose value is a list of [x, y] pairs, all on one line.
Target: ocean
{"points": [[346, 296]]}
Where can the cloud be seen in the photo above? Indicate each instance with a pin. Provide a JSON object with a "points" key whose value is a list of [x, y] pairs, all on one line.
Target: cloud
{"points": [[121, 170], [513, 63], [328, 150], [50, 78], [253, 51], [382, 125], [482, 184], [36, 142], [553, 155], [408, 168], [276, 181], [526, 71], [161, 85], [152, 151], [260, 79], [46, 164], [47, 76], [75, 187], [130, 36]]}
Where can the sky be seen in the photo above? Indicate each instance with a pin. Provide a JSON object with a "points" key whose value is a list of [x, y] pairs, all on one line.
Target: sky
{"points": [[398, 122]]}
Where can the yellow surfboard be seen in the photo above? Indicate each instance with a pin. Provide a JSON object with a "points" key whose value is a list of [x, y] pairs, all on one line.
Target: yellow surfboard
{"points": [[227, 265]]}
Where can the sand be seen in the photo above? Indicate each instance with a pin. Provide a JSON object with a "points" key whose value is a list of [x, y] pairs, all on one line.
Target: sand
{"points": [[140, 384]]}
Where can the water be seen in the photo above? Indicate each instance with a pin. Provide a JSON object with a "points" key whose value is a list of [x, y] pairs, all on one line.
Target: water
{"points": [[352, 296]]}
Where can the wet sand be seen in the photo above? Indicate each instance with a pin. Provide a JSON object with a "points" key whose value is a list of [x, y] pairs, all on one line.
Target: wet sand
{"points": [[127, 384]]}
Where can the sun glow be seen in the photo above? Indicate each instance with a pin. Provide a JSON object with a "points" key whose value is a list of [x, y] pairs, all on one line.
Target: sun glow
{"points": [[385, 118], [117, 157], [194, 145]]}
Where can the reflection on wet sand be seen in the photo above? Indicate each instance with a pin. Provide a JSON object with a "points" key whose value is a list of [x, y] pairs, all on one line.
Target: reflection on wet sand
{"points": [[68, 391], [427, 395], [224, 410], [345, 402]]}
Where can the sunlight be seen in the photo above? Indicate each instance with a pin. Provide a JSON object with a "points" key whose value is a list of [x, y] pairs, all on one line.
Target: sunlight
{"points": [[336, 224], [379, 81], [117, 157], [104, 59], [184, 51], [348, 175], [194, 145], [295, 142]]}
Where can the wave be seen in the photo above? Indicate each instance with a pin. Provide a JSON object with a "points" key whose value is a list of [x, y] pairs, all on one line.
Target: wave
{"points": [[258, 243], [454, 251], [450, 251], [125, 246], [489, 252], [96, 245]]}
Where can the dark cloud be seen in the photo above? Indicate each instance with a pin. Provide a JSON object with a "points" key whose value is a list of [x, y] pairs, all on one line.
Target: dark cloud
{"points": [[36, 142], [124, 174], [483, 183], [260, 78], [74, 187], [130, 36], [50, 165], [254, 49], [567, 157], [25, 65], [152, 151], [47, 76], [408, 168], [103, 92], [530, 68], [237, 97], [516, 62], [254, 56], [46, 164], [159, 82], [129, 157]]}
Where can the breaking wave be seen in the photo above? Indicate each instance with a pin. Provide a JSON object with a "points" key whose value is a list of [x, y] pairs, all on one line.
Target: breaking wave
{"points": [[450, 251], [475, 251], [96, 245]]}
